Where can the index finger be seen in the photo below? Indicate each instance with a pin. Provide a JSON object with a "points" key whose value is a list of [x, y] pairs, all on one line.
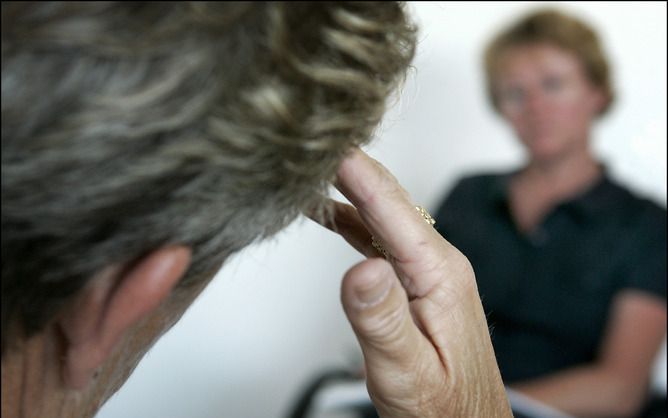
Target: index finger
{"points": [[388, 212]]}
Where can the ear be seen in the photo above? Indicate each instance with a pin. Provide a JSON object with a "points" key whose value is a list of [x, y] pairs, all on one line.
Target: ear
{"points": [[112, 303], [599, 100]]}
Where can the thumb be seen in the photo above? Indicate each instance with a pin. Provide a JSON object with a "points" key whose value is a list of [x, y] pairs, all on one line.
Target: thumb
{"points": [[377, 307]]}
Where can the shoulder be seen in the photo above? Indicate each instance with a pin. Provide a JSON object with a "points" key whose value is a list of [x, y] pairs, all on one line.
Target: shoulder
{"points": [[643, 231], [637, 211], [643, 238], [473, 192], [478, 183]]}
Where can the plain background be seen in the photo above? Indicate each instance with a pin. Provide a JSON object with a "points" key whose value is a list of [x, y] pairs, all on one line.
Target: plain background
{"points": [[272, 319]]}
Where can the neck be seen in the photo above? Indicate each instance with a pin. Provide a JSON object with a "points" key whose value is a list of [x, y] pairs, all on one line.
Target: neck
{"points": [[32, 385], [564, 177]]}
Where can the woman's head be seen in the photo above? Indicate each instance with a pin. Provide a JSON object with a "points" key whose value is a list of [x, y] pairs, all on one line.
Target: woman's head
{"points": [[130, 126], [548, 76]]}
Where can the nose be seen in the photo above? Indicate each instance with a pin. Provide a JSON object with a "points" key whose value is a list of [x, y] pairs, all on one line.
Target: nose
{"points": [[535, 102]]}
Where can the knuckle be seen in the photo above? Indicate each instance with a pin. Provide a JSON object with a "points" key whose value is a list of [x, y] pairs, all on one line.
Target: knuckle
{"points": [[447, 261], [386, 328], [462, 266]]}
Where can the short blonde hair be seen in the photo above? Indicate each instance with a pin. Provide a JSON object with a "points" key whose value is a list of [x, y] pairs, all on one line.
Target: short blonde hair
{"points": [[555, 28]]}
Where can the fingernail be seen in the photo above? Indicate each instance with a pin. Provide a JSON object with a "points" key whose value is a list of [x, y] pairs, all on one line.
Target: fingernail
{"points": [[373, 290]]}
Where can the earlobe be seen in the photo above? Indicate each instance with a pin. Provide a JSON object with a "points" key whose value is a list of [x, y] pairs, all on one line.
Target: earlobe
{"points": [[600, 101], [114, 301]]}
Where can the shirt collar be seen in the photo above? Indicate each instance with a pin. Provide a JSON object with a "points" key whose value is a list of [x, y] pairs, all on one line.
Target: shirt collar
{"points": [[589, 204], [500, 187], [599, 198]]}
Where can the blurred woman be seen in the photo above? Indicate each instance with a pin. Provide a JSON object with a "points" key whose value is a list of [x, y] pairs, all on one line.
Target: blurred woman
{"points": [[571, 266]]}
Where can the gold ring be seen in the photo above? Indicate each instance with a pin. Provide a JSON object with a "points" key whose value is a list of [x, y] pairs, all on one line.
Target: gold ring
{"points": [[377, 245], [425, 215]]}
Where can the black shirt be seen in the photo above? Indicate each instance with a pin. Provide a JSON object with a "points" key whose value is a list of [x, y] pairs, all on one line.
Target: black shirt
{"points": [[548, 295]]}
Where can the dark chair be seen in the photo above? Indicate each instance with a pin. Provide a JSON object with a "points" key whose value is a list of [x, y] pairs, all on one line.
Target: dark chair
{"points": [[655, 408], [302, 407]]}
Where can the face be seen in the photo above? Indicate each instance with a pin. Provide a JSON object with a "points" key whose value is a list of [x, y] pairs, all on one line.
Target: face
{"points": [[544, 93]]}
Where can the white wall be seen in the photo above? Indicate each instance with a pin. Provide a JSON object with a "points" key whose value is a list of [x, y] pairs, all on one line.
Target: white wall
{"points": [[272, 318]]}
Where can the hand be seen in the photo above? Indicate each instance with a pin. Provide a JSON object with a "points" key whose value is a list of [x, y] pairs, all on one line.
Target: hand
{"points": [[417, 317]]}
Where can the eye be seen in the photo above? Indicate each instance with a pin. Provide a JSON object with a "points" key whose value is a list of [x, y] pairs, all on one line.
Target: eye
{"points": [[513, 95]]}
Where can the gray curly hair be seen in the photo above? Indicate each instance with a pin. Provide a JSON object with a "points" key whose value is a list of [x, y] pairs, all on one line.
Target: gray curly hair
{"points": [[127, 126]]}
